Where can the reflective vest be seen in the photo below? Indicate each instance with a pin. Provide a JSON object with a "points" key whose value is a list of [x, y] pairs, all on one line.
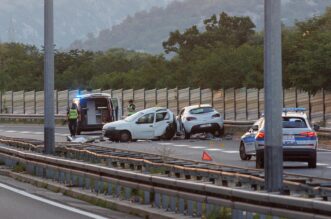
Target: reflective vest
{"points": [[131, 109], [73, 114]]}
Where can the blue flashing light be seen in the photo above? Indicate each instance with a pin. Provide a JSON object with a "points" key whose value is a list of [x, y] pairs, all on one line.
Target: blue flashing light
{"points": [[294, 109]]}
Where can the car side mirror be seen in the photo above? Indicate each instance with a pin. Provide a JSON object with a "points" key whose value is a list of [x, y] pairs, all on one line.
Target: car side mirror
{"points": [[255, 128], [316, 127]]}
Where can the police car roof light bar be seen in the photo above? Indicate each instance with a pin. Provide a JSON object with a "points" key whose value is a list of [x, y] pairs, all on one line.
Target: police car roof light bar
{"points": [[294, 109]]}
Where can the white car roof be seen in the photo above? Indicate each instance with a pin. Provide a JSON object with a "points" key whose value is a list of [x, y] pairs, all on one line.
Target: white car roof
{"points": [[153, 109], [197, 106], [82, 96]]}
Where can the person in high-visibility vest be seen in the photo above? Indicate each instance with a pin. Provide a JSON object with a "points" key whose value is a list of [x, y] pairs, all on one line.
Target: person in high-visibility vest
{"points": [[72, 115], [131, 108]]}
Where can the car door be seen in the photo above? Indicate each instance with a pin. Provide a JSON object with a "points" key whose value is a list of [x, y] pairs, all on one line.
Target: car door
{"points": [[162, 120], [180, 127], [249, 139], [143, 128]]}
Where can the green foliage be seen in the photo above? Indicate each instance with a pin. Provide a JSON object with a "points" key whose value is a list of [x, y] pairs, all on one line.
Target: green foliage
{"points": [[226, 53]]}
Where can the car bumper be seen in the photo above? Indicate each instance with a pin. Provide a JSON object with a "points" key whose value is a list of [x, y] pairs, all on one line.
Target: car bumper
{"points": [[204, 128], [111, 133], [295, 154]]}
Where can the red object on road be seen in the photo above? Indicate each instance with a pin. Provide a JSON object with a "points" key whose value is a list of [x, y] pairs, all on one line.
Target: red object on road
{"points": [[206, 156]]}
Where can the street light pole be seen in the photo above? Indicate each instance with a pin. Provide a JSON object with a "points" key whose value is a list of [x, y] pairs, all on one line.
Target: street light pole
{"points": [[49, 138], [273, 153]]}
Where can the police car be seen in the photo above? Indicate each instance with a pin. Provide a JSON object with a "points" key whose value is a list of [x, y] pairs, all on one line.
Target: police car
{"points": [[299, 139], [152, 123]]}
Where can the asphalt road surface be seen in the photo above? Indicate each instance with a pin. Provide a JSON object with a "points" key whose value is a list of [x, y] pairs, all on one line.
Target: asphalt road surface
{"points": [[221, 151], [20, 200]]}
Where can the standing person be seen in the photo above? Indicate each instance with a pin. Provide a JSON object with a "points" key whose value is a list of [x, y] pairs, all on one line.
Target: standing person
{"points": [[72, 115], [131, 108]]}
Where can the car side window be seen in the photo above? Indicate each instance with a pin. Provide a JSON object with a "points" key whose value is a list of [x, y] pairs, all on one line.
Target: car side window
{"points": [[146, 119], [161, 116]]}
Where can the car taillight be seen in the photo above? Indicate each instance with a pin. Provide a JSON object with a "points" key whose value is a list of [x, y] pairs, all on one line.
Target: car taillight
{"points": [[308, 134], [216, 115], [190, 118], [260, 135]]}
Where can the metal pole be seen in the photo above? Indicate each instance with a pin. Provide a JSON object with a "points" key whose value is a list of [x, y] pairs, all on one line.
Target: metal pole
{"points": [[49, 78], [273, 153]]}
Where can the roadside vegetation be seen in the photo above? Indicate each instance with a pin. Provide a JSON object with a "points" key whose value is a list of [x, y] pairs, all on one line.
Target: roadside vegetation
{"points": [[226, 52]]}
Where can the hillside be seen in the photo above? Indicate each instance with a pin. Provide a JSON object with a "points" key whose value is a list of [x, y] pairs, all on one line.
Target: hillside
{"points": [[22, 20], [145, 31]]}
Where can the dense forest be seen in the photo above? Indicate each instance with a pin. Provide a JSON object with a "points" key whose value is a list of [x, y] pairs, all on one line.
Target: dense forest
{"points": [[227, 52], [145, 30]]}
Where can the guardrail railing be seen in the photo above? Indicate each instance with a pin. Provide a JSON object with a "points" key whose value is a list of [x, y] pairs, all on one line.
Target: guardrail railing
{"points": [[181, 196], [234, 104]]}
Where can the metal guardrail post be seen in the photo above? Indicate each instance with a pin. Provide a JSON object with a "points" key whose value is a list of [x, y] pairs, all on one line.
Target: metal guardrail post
{"points": [[23, 102], [12, 102], [235, 103], [0, 102], [324, 107]]}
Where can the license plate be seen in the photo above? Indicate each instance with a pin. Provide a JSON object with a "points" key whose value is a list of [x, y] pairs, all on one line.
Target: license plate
{"points": [[205, 125], [289, 139]]}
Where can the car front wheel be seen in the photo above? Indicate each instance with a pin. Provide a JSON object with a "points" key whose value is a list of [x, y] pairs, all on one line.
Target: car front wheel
{"points": [[125, 136], [259, 159], [187, 135], [242, 152]]}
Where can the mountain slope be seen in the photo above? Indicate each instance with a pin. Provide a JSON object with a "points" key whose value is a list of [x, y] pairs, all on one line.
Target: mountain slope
{"points": [[145, 31], [22, 20]]}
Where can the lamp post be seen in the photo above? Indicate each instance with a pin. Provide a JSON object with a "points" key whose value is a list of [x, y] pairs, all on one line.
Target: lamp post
{"points": [[49, 123], [273, 152]]}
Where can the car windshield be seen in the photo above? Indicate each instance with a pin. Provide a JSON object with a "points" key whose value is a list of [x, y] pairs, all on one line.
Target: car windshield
{"points": [[201, 110], [133, 117], [294, 122]]}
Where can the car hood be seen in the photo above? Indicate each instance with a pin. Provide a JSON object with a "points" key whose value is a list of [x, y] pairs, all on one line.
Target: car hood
{"points": [[117, 124]]}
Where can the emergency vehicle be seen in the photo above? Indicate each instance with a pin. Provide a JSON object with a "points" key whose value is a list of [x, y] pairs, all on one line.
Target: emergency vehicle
{"points": [[299, 139], [95, 110]]}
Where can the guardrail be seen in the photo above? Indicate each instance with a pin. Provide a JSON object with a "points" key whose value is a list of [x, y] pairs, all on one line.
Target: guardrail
{"points": [[324, 131], [181, 196], [233, 104]]}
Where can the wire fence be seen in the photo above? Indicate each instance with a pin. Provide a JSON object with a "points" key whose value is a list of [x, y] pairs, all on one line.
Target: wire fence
{"points": [[234, 104]]}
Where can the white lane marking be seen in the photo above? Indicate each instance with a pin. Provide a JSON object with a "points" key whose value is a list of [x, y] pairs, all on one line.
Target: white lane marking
{"points": [[181, 145], [214, 149], [322, 164], [165, 143], [323, 150], [40, 199], [32, 133], [197, 147], [231, 152]]}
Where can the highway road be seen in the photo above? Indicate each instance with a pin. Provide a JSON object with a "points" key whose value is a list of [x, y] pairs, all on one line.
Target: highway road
{"points": [[222, 151], [20, 200]]}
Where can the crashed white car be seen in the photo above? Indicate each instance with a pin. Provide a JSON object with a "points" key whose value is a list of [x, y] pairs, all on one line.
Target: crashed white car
{"points": [[200, 119], [152, 123]]}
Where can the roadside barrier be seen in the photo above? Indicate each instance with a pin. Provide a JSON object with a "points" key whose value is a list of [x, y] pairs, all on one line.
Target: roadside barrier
{"points": [[190, 197]]}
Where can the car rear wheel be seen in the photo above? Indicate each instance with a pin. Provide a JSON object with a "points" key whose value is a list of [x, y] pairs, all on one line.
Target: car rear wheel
{"points": [[259, 160], [125, 136], [312, 162], [169, 132], [219, 132], [242, 152]]}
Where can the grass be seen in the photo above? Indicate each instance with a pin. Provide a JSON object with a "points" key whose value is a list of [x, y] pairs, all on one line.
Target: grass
{"points": [[19, 168]]}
